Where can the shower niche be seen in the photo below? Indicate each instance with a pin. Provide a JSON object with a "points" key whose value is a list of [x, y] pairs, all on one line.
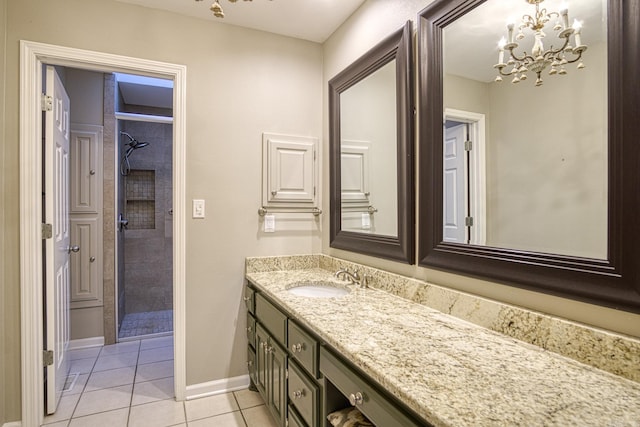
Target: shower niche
{"points": [[140, 205]]}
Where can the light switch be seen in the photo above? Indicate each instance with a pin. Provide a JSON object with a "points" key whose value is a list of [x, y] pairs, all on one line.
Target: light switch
{"points": [[269, 223], [198, 208]]}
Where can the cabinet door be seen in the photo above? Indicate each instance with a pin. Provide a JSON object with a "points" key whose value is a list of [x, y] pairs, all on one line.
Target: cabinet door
{"points": [[85, 169], [290, 170], [86, 265], [277, 382], [262, 340]]}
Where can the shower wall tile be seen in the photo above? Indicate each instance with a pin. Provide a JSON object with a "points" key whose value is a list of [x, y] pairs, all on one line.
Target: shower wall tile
{"points": [[148, 252]]}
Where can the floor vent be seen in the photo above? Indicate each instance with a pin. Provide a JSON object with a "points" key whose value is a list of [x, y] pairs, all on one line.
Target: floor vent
{"points": [[70, 382]]}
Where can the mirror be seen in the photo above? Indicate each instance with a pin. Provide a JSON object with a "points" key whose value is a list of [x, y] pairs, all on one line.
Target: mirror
{"points": [[534, 174], [547, 194], [371, 156]]}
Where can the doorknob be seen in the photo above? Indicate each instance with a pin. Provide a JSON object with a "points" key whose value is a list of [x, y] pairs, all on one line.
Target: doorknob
{"points": [[73, 249]]}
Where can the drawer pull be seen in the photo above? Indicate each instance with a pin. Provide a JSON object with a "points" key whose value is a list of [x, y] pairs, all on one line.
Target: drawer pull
{"points": [[298, 394], [248, 328], [250, 363], [356, 399], [246, 299], [297, 348]]}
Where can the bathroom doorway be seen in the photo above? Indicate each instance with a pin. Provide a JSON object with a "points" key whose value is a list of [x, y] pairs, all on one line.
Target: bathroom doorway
{"points": [[144, 206]]}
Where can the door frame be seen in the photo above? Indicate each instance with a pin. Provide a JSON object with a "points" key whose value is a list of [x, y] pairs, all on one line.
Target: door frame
{"points": [[478, 166], [32, 56]]}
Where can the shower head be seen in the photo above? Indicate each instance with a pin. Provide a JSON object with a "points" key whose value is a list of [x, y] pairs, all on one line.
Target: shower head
{"points": [[133, 143]]}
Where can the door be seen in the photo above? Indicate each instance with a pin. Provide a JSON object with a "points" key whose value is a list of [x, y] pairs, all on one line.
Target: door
{"points": [[57, 248], [454, 184]]}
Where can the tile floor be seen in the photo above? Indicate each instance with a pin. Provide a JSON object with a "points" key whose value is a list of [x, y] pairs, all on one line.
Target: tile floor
{"points": [[130, 384], [146, 323]]}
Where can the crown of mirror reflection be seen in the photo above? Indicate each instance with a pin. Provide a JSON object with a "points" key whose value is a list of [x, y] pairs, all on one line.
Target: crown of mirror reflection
{"points": [[216, 8], [539, 58]]}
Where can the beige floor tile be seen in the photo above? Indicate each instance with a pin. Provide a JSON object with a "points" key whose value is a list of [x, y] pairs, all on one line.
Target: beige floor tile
{"points": [[162, 413], [104, 400], [248, 399], [64, 423], [84, 353], [156, 342], [155, 355], [78, 386], [115, 361], [151, 391], [258, 416], [154, 371], [65, 409], [119, 348], [82, 366], [210, 406], [117, 418], [111, 378], [232, 419]]}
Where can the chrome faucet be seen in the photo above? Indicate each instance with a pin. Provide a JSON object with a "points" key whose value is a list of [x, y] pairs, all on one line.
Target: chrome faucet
{"points": [[354, 277]]}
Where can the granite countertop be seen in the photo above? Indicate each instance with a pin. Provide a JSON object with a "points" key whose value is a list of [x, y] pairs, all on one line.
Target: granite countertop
{"points": [[452, 372]]}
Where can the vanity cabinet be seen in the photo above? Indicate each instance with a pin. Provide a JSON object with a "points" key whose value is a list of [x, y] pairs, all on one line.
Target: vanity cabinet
{"points": [[271, 374], [364, 395], [301, 380]]}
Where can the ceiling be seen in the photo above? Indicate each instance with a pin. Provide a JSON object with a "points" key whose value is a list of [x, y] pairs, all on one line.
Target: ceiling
{"points": [[471, 42], [313, 20]]}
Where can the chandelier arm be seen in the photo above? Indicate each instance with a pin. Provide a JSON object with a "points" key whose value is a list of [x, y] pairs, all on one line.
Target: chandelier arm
{"points": [[577, 58], [524, 58]]}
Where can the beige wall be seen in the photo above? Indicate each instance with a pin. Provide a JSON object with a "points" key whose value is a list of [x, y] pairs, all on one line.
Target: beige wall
{"points": [[547, 162], [366, 27], [239, 84]]}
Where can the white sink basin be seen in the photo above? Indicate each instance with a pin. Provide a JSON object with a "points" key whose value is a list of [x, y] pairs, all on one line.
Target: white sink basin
{"points": [[318, 289]]}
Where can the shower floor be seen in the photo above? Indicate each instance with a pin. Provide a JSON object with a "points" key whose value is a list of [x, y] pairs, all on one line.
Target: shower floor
{"points": [[146, 323]]}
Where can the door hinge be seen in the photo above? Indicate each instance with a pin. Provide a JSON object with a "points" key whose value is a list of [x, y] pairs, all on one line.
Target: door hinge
{"points": [[468, 146], [468, 221], [314, 191], [47, 102], [286, 373], [314, 155], [47, 357], [47, 231]]}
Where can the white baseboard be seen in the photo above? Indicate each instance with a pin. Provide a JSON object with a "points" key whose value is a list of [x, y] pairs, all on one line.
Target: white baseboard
{"points": [[212, 388], [12, 424], [86, 343]]}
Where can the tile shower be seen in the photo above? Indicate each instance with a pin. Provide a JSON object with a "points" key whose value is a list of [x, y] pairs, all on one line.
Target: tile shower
{"points": [[145, 289]]}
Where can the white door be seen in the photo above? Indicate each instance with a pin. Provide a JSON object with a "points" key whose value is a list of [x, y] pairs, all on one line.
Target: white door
{"points": [[454, 185], [57, 248]]}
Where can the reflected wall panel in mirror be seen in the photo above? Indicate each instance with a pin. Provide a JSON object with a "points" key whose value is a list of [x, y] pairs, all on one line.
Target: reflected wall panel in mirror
{"points": [[371, 152], [543, 199]]}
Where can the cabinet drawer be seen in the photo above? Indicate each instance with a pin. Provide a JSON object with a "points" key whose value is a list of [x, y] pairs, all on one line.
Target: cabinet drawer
{"points": [[251, 330], [303, 394], [294, 418], [249, 299], [303, 348], [373, 404], [272, 319]]}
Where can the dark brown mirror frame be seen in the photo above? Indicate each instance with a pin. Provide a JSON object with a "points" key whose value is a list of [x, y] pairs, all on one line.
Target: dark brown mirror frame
{"points": [[397, 46], [614, 282]]}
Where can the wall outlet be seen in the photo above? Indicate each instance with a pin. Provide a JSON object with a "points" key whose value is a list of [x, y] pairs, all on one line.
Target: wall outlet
{"points": [[269, 223], [198, 208]]}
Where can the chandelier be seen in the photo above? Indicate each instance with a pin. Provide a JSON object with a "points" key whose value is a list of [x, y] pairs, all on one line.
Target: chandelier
{"points": [[539, 59], [216, 8]]}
